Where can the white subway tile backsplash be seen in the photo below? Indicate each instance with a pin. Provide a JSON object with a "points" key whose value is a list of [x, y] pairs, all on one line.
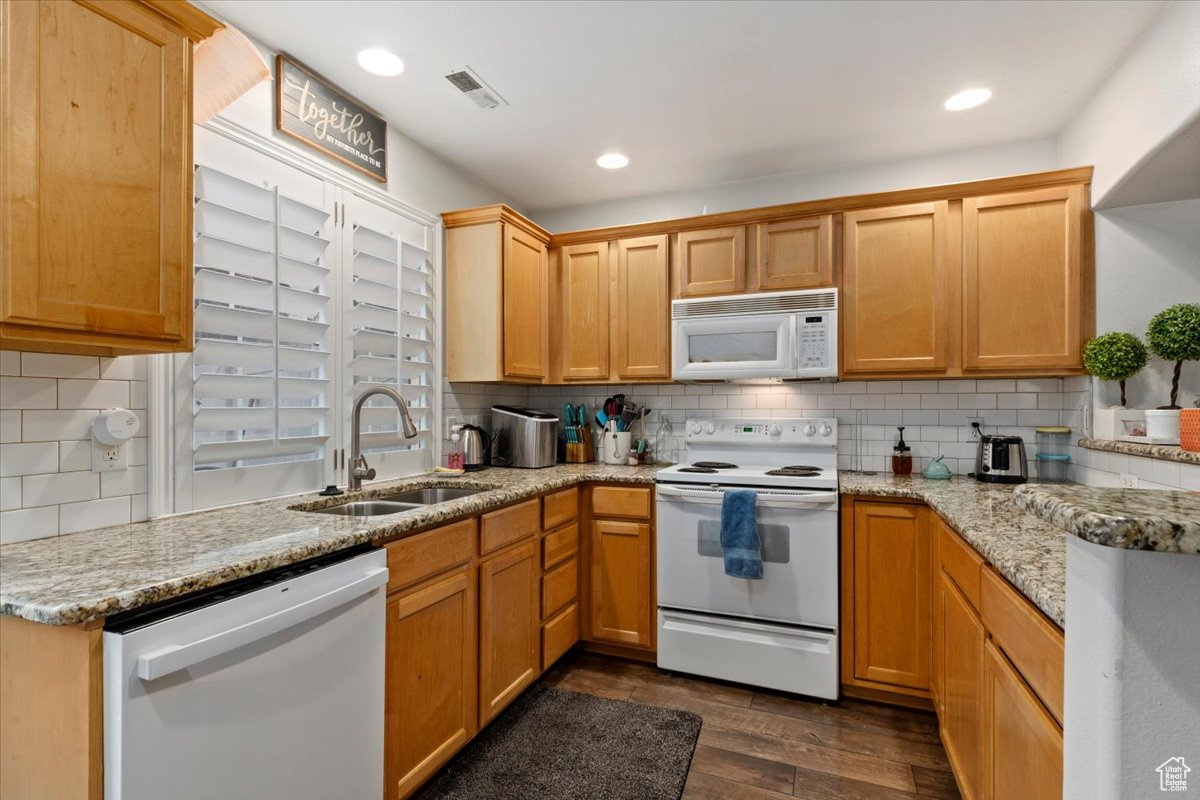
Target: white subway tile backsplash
{"points": [[28, 459], [75, 456], [53, 365], [902, 401], [10, 493], [50, 426], [93, 394], [52, 490], [955, 386], [992, 386], [75, 517], [713, 401], [1039, 385], [28, 393], [10, 362], [885, 387], [940, 401], [919, 416], [1017, 400], [47, 404], [775, 400], [980, 402], [10, 426], [28, 523]]}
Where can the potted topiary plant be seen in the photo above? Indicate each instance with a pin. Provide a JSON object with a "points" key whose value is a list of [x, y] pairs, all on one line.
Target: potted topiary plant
{"points": [[1115, 357], [1173, 335]]}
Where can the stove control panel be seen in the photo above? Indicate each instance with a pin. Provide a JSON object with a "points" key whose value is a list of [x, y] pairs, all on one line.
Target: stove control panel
{"points": [[802, 430]]}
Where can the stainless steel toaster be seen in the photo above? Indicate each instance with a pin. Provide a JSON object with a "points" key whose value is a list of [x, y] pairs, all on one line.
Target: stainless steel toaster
{"points": [[522, 437], [1001, 459]]}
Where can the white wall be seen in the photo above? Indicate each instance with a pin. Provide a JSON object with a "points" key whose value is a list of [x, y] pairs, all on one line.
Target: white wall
{"points": [[417, 175], [1151, 96], [955, 166], [1147, 258]]}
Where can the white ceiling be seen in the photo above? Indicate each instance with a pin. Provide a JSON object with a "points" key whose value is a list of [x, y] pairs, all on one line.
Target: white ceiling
{"points": [[703, 92]]}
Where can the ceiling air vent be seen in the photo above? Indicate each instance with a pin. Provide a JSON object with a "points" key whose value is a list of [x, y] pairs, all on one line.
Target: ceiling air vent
{"points": [[469, 83]]}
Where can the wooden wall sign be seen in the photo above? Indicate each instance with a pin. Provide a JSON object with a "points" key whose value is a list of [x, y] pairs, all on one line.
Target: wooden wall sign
{"points": [[318, 113]]}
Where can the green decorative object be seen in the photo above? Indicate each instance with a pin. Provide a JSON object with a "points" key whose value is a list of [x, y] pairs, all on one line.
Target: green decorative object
{"points": [[1115, 357], [1174, 335], [937, 471]]}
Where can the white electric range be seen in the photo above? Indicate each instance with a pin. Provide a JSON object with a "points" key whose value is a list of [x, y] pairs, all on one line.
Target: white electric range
{"points": [[780, 632]]}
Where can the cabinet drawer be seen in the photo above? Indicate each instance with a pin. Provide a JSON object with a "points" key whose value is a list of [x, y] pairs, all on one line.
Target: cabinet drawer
{"points": [[559, 635], [1031, 642], [621, 501], [509, 525], [559, 545], [959, 561], [560, 507], [559, 587], [422, 556]]}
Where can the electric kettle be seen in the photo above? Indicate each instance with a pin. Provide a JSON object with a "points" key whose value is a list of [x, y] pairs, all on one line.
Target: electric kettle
{"points": [[477, 447], [1001, 459]]}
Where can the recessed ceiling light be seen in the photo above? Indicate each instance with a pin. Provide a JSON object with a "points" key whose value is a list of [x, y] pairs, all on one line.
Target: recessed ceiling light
{"points": [[378, 61], [968, 98], [612, 161]]}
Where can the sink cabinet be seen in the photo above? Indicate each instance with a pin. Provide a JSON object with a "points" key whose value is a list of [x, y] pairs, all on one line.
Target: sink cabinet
{"points": [[97, 175]]}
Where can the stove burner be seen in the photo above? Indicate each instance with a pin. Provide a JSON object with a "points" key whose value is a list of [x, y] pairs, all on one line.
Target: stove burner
{"points": [[796, 472], [697, 469], [713, 465]]}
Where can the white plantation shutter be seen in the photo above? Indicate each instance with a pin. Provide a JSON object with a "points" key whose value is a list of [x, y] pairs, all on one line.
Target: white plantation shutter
{"points": [[389, 325], [260, 373]]}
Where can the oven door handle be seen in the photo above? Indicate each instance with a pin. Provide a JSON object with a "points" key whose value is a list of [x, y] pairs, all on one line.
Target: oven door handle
{"points": [[766, 497]]}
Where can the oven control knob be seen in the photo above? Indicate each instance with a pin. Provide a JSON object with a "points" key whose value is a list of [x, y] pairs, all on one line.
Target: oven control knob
{"points": [[695, 428], [826, 429], [776, 430], [710, 428], [810, 430]]}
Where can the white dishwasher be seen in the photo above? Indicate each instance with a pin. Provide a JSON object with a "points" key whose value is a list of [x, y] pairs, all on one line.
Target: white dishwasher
{"points": [[271, 687]]}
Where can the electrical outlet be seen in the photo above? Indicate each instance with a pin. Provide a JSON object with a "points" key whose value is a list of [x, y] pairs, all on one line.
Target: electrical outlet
{"points": [[106, 458], [973, 421], [1129, 481], [450, 422]]}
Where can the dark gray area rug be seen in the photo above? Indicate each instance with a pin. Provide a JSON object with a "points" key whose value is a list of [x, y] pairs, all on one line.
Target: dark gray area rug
{"points": [[552, 744]]}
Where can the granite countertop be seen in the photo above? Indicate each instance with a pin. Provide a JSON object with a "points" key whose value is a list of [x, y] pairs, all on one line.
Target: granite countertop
{"points": [[1160, 451], [1027, 550], [1132, 519], [85, 576]]}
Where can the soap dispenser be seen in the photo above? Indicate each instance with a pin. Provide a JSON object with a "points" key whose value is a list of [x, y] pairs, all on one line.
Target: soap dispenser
{"points": [[901, 456]]}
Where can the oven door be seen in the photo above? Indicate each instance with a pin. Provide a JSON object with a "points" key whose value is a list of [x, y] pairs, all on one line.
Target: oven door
{"points": [[797, 530], [734, 347]]}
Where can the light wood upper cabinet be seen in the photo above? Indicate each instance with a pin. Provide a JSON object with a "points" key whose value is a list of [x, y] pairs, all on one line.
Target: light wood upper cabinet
{"points": [[1022, 744], [584, 323], [643, 310], [96, 176], [898, 265], [497, 297], [621, 606], [710, 262], [794, 253], [891, 588], [430, 705], [1027, 294], [509, 627], [525, 307]]}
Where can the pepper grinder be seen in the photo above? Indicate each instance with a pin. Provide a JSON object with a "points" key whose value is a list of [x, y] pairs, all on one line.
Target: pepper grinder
{"points": [[901, 456]]}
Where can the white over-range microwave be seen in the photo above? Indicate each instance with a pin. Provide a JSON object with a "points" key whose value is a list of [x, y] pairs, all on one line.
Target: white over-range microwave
{"points": [[777, 335]]}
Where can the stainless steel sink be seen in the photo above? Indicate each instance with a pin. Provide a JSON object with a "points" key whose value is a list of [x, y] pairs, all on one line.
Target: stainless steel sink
{"points": [[431, 495], [369, 508]]}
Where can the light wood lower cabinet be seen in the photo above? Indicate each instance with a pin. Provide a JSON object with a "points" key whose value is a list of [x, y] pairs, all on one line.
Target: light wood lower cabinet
{"points": [[509, 627], [890, 552], [1022, 744], [960, 712], [430, 705], [621, 607]]}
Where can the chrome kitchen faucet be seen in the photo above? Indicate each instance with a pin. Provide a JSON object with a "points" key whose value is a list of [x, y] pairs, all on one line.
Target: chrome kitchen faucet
{"points": [[359, 468]]}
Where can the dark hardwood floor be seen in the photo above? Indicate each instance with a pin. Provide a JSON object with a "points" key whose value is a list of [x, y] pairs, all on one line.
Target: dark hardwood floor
{"points": [[757, 745]]}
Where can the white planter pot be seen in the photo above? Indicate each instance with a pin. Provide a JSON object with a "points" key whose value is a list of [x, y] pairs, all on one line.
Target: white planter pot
{"points": [[1162, 425]]}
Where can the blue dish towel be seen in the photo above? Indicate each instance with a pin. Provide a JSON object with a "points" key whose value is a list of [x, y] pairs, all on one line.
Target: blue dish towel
{"points": [[739, 534]]}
